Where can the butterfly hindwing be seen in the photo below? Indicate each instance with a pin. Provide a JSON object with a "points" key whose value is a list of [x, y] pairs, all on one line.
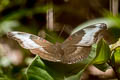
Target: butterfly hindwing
{"points": [[37, 45], [78, 45]]}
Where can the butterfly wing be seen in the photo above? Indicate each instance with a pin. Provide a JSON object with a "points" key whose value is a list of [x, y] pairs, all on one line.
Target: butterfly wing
{"points": [[37, 45], [78, 45]]}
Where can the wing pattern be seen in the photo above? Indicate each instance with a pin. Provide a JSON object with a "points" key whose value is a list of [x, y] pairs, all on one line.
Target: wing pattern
{"points": [[74, 49], [78, 46], [37, 45]]}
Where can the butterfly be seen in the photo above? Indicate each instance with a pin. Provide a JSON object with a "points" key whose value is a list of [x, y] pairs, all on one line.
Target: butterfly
{"points": [[74, 49]]}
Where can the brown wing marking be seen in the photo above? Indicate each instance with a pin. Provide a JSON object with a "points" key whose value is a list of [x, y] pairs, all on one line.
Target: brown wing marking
{"points": [[75, 54], [53, 51], [72, 53], [37, 45], [78, 45]]}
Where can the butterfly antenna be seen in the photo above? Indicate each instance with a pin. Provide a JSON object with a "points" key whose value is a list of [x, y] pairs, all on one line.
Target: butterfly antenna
{"points": [[50, 36], [61, 31]]}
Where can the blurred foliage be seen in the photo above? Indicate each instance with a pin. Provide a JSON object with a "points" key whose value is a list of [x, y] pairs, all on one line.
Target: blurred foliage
{"points": [[30, 16], [115, 58], [21, 15]]}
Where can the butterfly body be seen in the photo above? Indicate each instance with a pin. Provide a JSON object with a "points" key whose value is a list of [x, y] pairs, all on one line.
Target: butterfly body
{"points": [[72, 50]]}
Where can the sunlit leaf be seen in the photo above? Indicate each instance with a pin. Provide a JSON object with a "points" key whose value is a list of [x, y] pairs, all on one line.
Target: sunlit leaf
{"points": [[115, 45], [115, 60], [103, 52], [116, 55], [37, 70]]}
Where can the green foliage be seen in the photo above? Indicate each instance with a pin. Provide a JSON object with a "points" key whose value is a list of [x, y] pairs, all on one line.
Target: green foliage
{"points": [[7, 26], [3, 76], [37, 70], [115, 59], [11, 20], [103, 53], [16, 15]]}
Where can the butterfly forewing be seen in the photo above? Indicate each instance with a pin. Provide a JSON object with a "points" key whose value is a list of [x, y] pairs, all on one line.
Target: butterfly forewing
{"points": [[37, 45]]}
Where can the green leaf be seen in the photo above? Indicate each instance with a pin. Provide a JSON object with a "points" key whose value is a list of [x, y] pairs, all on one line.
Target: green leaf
{"points": [[103, 53], [37, 70], [115, 45], [115, 60], [117, 55], [75, 77]]}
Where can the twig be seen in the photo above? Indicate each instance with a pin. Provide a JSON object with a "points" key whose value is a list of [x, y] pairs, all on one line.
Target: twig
{"points": [[50, 24], [114, 4]]}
